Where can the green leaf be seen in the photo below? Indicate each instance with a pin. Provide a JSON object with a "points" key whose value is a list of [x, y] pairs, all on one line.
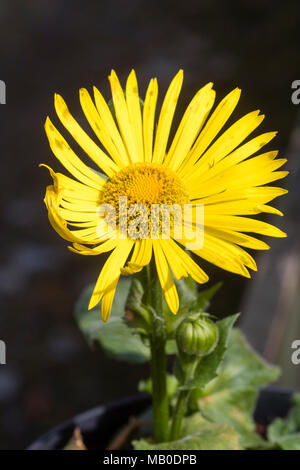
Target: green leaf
{"points": [[115, 337], [291, 442], [231, 397], [242, 367], [232, 408], [171, 347], [209, 365], [286, 432], [190, 300], [172, 385], [291, 424], [187, 292], [204, 297], [199, 434]]}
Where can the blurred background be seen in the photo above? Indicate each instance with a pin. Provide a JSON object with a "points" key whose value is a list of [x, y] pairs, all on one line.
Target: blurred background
{"points": [[52, 46]]}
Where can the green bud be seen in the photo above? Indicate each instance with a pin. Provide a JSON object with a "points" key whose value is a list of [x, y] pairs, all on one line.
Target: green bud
{"points": [[197, 335]]}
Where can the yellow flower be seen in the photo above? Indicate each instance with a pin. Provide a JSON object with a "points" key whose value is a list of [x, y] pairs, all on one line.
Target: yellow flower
{"points": [[199, 167]]}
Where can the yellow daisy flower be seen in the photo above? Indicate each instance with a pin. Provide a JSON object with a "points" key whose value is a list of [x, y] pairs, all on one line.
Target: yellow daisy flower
{"points": [[199, 167]]}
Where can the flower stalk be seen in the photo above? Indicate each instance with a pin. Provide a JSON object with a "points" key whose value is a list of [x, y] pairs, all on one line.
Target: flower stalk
{"points": [[158, 357], [182, 399]]}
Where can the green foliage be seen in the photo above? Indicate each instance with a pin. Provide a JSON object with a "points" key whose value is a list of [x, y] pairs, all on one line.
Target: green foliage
{"points": [[172, 386], [230, 398], [197, 335], [285, 433], [223, 390], [115, 337], [121, 338], [190, 300], [209, 365], [205, 296], [199, 434]]}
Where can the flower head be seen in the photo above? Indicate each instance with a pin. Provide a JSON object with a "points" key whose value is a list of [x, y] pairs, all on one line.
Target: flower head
{"points": [[199, 168]]}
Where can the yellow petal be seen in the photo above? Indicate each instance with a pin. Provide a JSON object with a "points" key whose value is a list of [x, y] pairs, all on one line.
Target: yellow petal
{"points": [[106, 246], [101, 130], [107, 301], [242, 224], [228, 141], [240, 207], [122, 116], [110, 272], [262, 194], [166, 117], [131, 269], [134, 112], [165, 278], [81, 137], [177, 267], [141, 256], [110, 125], [220, 253], [213, 126], [58, 223], [69, 159], [190, 126], [78, 205], [235, 180], [148, 118], [268, 209], [238, 238], [188, 263], [237, 156]]}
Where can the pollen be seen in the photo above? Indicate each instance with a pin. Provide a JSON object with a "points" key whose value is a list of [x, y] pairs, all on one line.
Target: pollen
{"points": [[147, 184]]}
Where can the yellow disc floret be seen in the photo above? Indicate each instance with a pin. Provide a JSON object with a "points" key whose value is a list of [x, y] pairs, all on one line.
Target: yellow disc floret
{"points": [[146, 184]]}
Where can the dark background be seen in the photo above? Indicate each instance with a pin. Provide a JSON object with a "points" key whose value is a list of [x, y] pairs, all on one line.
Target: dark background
{"points": [[52, 46]]}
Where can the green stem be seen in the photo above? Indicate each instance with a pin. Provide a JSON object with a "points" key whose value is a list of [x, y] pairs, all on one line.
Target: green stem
{"points": [[158, 358], [182, 401]]}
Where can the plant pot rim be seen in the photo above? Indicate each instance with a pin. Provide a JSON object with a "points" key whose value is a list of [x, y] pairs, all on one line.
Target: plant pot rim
{"points": [[89, 419], [142, 399]]}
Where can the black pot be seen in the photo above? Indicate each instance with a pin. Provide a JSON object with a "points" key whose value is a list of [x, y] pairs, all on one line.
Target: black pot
{"points": [[99, 424]]}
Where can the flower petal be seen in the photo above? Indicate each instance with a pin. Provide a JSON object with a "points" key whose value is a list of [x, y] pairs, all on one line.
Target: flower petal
{"points": [[110, 273], [166, 117], [237, 156], [123, 119], [165, 278], [227, 142], [118, 153], [186, 261], [81, 137], [148, 118], [242, 224], [222, 254], [214, 125], [141, 256], [190, 126], [111, 126], [69, 159], [134, 112]]}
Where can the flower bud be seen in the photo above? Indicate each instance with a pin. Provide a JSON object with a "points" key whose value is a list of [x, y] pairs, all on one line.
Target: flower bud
{"points": [[197, 335]]}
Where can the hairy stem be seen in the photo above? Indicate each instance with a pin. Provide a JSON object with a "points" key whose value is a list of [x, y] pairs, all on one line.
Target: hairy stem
{"points": [[182, 401], [158, 357]]}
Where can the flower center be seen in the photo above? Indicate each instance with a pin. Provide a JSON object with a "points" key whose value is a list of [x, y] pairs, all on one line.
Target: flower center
{"points": [[146, 184]]}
